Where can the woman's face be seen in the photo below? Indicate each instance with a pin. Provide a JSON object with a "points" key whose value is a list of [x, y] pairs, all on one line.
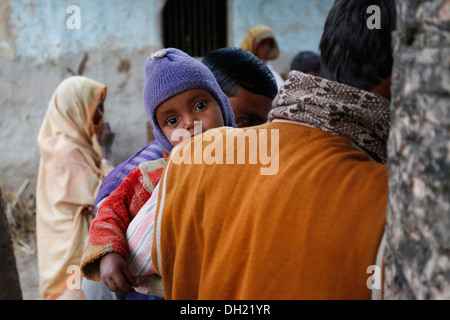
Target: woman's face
{"points": [[98, 115], [264, 48], [97, 118]]}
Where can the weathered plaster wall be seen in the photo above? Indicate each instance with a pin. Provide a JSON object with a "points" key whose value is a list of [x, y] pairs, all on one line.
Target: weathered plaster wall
{"points": [[297, 24], [38, 51], [39, 27]]}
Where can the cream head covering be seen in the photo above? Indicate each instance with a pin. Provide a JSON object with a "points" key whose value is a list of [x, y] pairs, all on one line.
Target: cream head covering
{"points": [[70, 173], [255, 36]]}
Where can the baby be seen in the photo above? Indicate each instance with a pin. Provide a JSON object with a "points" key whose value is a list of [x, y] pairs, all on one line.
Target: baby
{"points": [[179, 92]]}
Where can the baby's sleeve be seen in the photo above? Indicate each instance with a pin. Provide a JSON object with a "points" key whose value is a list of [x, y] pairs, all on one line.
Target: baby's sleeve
{"points": [[107, 231]]}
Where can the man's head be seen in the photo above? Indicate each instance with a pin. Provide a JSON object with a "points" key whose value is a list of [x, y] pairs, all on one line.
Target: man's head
{"points": [[353, 54], [247, 82], [306, 62]]}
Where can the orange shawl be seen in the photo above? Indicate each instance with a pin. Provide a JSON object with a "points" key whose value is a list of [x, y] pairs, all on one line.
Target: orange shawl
{"points": [[310, 231]]}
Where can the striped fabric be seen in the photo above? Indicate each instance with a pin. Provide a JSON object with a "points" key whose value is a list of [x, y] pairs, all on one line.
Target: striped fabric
{"points": [[161, 208], [140, 241]]}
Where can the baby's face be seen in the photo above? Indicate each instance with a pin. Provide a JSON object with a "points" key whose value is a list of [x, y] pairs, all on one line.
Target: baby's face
{"points": [[184, 109]]}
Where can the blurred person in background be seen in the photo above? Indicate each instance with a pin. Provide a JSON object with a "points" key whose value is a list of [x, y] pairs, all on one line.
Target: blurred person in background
{"points": [[307, 62], [260, 40], [71, 169]]}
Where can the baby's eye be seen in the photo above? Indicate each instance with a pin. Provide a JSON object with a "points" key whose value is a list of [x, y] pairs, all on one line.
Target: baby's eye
{"points": [[200, 106], [172, 122]]}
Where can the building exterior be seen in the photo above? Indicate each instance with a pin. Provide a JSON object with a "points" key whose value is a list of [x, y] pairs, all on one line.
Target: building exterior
{"points": [[44, 41]]}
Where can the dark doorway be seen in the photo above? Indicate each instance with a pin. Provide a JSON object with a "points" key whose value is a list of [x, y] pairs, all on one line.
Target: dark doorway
{"points": [[195, 26]]}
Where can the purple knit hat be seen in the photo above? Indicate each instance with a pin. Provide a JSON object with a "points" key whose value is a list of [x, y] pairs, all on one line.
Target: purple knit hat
{"points": [[169, 72]]}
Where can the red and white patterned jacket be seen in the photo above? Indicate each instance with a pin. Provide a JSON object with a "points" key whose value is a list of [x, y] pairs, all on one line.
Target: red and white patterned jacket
{"points": [[107, 232]]}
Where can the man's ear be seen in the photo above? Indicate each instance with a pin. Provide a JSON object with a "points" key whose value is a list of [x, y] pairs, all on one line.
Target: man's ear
{"points": [[384, 88]]}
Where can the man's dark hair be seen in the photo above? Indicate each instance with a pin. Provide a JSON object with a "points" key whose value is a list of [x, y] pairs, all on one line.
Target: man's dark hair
{"points": [[353, 54], [233, 67], [306, 61]]}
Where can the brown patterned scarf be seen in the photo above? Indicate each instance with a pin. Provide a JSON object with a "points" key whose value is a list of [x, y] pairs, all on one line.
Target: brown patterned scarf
{"points": [[336, 108]]}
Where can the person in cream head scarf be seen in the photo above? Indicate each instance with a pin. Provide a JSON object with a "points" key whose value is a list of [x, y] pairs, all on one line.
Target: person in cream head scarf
{"points": [[260, 40], [71, 170]]}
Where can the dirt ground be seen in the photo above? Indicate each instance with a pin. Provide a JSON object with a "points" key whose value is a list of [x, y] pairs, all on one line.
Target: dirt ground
{"points": [[21, 216]]}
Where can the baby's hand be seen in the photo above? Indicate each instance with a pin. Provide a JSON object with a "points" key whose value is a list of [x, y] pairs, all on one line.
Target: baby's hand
{"points": [[115, 273]]}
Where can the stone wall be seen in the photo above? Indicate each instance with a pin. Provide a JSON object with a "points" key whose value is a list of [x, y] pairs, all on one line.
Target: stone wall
{"points": [[418, 222]]}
